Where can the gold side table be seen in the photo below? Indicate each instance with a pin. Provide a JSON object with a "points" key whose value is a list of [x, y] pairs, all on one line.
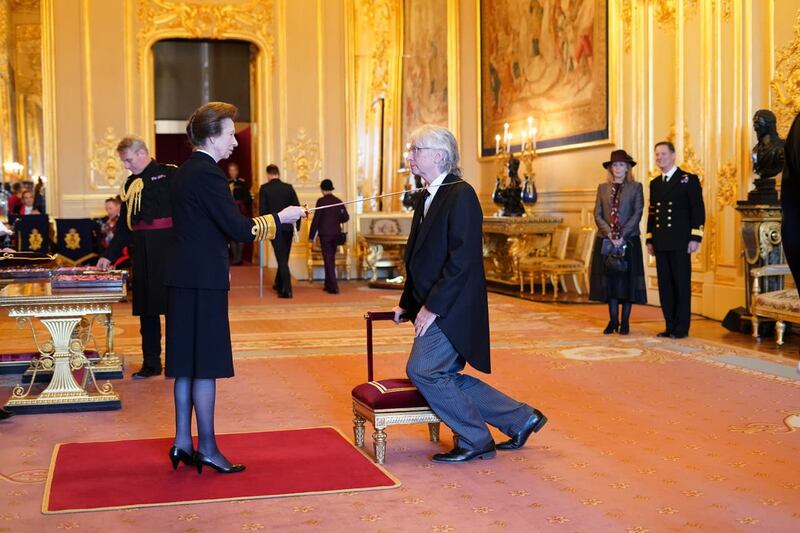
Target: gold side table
{"points": [[61, 312]]}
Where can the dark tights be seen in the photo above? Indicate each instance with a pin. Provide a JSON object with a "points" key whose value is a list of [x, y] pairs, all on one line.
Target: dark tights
{"points": [[198, 395], [613, 311]]}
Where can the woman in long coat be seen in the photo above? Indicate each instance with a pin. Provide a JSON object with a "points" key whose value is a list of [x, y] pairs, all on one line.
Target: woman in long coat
{"points": [[618, 212]]}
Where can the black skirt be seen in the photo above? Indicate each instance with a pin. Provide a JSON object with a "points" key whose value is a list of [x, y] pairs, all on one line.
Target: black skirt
{"points": [[198, 334], [624, 286]]}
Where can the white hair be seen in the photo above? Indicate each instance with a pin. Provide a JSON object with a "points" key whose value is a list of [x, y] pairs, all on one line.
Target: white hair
{"points": [[442, 139]]}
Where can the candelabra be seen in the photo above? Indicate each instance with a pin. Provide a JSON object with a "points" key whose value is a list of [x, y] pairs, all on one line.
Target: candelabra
{"points": [[509, 191]]}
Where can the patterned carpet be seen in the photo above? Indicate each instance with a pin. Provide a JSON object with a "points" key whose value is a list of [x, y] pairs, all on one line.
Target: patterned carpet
{"points": [[645, 434]]}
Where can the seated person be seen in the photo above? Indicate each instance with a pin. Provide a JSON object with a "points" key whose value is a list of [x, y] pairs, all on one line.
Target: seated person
{"points": [[109, 222], [26, 207]]}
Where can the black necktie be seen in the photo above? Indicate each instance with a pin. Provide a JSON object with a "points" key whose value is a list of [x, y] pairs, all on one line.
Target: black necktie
{"points": [[425, 195]]}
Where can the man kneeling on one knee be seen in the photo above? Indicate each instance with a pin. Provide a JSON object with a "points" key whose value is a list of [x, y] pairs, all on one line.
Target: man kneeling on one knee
{"points": [[445, 297]]}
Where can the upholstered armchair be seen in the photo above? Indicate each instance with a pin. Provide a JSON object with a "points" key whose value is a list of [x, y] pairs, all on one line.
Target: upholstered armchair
{"points": [[531, 265], [576, 265]]}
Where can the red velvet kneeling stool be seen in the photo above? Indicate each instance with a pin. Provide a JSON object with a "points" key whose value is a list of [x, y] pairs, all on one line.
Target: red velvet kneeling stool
{"points": [[388, 402]]}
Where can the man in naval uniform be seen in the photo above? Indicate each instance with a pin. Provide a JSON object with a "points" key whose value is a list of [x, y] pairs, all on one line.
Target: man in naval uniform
{"points": [[674, 230], [145, 226]]}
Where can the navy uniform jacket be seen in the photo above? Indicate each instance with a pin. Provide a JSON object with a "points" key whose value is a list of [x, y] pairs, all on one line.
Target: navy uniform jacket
{"points": [[205, 218], [275, 195], [444, 270], [328, 221], [676, 213], [149, 248]]}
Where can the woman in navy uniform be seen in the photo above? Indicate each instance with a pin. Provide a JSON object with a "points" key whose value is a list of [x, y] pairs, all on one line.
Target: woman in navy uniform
{"points": [[145, 227], [674, 230], [205, 218], [617, 212], [328, 223]]}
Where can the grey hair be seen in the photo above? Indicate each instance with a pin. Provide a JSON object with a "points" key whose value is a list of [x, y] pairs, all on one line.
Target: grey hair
{"points": [[132, 142], [442, 139]]}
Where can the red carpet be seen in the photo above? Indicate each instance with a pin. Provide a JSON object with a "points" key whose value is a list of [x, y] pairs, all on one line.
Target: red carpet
{"points": [[94, 476]]}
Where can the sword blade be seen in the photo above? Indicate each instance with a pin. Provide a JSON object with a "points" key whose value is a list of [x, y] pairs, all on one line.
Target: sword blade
{"points": [[349, 202]]}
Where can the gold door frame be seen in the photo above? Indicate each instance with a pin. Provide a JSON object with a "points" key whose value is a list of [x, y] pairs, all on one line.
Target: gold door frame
{"points": [[251, 23]]}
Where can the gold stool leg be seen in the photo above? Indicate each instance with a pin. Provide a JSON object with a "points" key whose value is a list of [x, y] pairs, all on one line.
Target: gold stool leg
{"points": [[780, 329], [358, 429], [433, 430], [754, 322], [380, 445]]}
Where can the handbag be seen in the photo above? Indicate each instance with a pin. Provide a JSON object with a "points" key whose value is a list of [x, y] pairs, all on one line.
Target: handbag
{"points": [[341, 238], [614, 256]]}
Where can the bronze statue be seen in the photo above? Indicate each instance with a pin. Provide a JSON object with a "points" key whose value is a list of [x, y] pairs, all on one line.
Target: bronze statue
{"points": [[768, 158]]}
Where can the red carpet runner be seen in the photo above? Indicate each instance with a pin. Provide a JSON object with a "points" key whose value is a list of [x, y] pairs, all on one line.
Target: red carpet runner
{"points": [[137, 473]]}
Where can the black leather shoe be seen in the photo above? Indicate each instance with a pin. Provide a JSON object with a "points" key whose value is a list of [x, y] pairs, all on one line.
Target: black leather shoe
{"points": [[462, 455], [536, 422], [678, 335], [145, 373], [176, 455], [624, 328], [610, 328], [200, 460], [665, 333], [332, 291], [5, 414], [285, 294]]}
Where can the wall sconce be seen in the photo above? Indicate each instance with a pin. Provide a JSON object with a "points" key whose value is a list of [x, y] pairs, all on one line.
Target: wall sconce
{"points": [[13, 170]]}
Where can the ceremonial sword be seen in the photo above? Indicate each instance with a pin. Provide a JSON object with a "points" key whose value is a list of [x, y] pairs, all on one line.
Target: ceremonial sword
{"points": [[411, 191]]}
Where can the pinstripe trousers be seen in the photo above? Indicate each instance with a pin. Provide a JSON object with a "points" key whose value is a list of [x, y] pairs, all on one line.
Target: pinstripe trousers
{"points": [[466, 404]]}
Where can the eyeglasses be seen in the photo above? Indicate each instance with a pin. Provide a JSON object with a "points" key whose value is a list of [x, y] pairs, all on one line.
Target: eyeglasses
{"points": [[417, 149]]}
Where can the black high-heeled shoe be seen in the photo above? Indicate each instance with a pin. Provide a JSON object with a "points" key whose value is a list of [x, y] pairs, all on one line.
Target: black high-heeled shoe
{"points": [[624, 328], [200, 460], [176, 455], [610, 328]]}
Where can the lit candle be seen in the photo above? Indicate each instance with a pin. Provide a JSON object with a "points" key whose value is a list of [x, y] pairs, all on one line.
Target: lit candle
{"points": [[530, 126], [508, 143], [523, 141], [533, 138], [497, 144]]}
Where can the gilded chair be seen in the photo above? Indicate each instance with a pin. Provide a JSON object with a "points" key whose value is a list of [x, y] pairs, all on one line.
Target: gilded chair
{"points": [[532, 264], [576, 265], [388, 402], [314, 259]]}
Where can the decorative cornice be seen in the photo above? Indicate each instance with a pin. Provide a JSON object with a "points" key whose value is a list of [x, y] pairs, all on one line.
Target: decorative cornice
{"points": [[207, 21], [786, 84]]}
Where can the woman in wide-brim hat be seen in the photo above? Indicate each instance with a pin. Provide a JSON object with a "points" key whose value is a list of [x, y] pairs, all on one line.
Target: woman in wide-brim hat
{"points": [[618, 212]]}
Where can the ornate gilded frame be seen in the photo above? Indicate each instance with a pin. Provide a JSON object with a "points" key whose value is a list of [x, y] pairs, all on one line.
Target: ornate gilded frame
{"points": [[602, 136]]}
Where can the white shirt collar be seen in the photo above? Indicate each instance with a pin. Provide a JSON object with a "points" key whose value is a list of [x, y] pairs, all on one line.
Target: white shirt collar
{"points": [[434, 186], [670, 172]]}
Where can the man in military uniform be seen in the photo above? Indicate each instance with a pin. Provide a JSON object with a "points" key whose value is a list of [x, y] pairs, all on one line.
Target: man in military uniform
{"points": [[145, 226], [274, 196], [674, 230]]}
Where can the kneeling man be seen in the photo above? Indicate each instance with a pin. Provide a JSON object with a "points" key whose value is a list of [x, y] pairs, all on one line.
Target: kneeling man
{"points": [[445, 297]]}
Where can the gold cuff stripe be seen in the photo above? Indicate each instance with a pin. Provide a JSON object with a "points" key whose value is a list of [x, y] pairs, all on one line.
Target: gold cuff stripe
{"points": [[697, 232], [264, 228], [648, 235]]}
